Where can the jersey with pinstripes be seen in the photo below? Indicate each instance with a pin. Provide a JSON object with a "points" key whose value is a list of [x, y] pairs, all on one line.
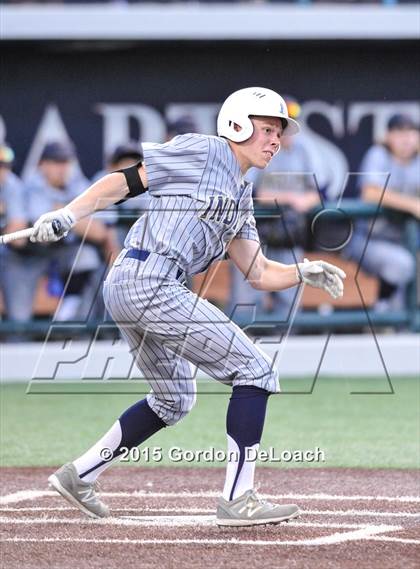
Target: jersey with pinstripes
{"points": [[198, 203]]}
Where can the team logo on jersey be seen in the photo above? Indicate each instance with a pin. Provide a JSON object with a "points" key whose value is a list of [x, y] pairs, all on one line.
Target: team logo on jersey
{"points": [[222, 209]]}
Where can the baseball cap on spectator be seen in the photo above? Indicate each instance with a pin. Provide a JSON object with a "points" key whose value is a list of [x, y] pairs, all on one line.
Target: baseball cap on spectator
{"points": [[182, 125], [123, 151], [58, 152], [7, 155], [402, 122]]}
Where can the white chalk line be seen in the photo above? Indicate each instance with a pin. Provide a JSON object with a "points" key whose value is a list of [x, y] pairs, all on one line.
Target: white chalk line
{"points": [[25, 495], [397, 539], [361, 513], [366, 534], [340, 513], [358, 531], [169, 521]]}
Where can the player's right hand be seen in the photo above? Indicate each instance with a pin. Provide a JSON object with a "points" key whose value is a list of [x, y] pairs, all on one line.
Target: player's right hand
{"points": [[52, 226]]}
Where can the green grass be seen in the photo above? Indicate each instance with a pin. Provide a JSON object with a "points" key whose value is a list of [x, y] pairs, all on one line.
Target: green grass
{"points": [[370, 430]]}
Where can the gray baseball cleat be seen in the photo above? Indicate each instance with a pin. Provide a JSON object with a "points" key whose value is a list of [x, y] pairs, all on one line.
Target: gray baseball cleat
{"points": [[81, 494], [250, 510]]}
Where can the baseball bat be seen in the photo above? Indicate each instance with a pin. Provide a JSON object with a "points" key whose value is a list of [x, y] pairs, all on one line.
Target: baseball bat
{"points": [[7, 237], [26, 233]]}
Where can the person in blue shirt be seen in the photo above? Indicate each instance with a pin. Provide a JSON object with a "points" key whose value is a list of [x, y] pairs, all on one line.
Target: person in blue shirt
{"points": [[394, 165], [13, 217]]}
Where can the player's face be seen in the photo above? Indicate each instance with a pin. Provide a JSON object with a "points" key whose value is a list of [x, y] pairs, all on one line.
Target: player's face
{"points": [[57, 174], [4, 172], [404, 143], [264, 143]]}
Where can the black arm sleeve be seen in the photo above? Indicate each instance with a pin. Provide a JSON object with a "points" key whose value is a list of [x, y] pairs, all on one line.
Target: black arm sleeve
{"points": [[135, 185]]}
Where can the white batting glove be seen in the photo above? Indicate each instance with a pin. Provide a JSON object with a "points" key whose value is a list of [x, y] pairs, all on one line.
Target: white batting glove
{"points": [[321, 274], [53, 226]]}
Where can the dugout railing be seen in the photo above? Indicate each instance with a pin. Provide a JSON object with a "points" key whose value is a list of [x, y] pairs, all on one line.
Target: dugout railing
{"points": [[330, 315], [333, 319]]}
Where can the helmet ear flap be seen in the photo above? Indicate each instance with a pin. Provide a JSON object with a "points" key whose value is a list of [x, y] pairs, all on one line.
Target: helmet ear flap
{"points": [[245, 132], [247, 129]]}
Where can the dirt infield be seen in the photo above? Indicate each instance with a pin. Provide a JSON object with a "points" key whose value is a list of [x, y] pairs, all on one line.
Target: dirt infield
{"points": [[165, 518]]}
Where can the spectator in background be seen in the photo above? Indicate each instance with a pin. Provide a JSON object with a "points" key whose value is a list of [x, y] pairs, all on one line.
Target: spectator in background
{"points": [[395, 164], [12, 211], [49, 187], [123, 156], [287, 182], [182, 125], [12, 218], [126, 155]]}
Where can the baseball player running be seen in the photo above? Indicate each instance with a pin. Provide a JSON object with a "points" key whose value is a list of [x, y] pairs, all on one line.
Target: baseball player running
{"points": [[200, 209]]}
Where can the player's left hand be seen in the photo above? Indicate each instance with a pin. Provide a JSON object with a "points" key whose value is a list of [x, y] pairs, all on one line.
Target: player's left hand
{"points": [[321, 274], [52, 226]]}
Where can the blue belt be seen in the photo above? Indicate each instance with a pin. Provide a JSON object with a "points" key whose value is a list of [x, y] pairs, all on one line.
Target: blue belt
{"points": [[139, 254], [142, 255]]}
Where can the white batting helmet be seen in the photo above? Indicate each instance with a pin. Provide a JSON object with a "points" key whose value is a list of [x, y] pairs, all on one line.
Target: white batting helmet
{"points": [[244, 103]]}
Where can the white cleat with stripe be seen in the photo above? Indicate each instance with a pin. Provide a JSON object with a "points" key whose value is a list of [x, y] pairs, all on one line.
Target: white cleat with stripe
{"points": [[250, 510]]}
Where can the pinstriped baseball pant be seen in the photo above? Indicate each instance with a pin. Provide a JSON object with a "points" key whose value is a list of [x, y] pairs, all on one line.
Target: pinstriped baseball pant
{"points": [[168, 327]]}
